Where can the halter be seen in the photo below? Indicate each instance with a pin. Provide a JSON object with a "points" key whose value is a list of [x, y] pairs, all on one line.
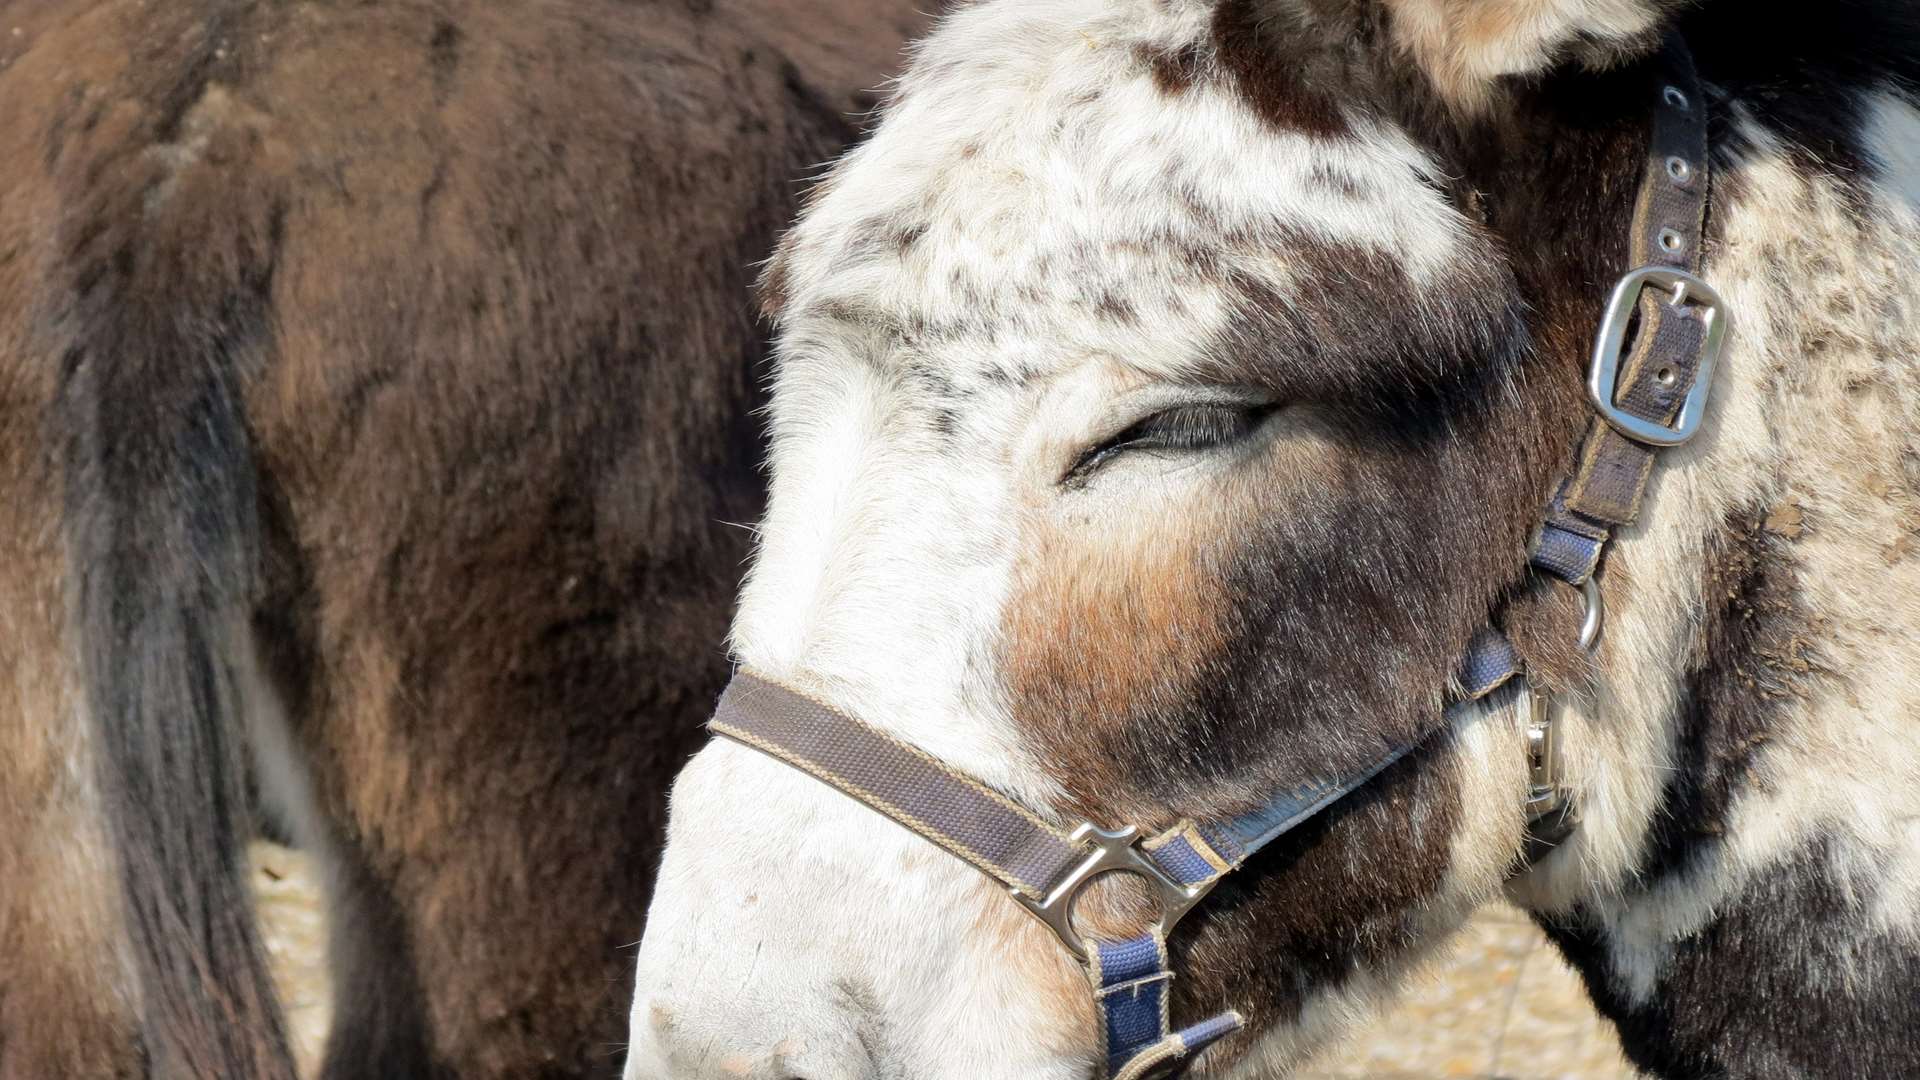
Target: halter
{"points": [[1648, 393]]}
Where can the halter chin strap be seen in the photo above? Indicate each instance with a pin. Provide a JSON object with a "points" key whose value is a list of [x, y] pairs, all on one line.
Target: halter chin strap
{"points": [[1648, 383]]}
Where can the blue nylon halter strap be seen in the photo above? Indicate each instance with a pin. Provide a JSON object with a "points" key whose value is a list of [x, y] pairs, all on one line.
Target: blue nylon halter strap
{"points": [[1195, 854], [1132, 980]]}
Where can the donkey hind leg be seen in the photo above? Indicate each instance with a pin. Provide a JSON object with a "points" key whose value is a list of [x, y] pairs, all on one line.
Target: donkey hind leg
{"points": [[474, 932], [65, 1003], [66, 1008], [377, 1022], [502, 869]]}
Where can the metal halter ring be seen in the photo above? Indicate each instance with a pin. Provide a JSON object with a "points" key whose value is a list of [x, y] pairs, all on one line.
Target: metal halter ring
{"points": [[1593, 613], [1113, 853]]}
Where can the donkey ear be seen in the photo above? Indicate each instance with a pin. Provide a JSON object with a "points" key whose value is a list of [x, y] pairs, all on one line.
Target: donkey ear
{"points": [[1465, 46]]}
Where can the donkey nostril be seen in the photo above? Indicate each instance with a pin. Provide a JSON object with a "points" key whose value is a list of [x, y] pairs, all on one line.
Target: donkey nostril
{"points": [[787, 1049]]}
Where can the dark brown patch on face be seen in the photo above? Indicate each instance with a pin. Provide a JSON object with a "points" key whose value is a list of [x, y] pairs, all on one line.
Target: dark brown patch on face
{"points": [[1091, 649], [1338, 894], [1125, 631], [1300, 621], [1174, 70], [1351, 332], [1286, 84], [1298, 618]]}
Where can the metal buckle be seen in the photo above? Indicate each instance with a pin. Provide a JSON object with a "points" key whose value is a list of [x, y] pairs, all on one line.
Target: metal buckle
{"points": [[1113, 853], [1603, 376]]}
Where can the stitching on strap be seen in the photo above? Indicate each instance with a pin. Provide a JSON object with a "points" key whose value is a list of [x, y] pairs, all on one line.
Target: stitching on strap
{"points": [[886, 808], [1032, 818]]}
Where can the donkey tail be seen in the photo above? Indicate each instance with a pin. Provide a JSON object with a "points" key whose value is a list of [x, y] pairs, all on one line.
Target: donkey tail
{"points": [[162, 537]]}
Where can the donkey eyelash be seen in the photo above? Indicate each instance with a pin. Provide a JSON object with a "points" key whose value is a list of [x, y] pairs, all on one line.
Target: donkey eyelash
{"points": [[1182, 429]]}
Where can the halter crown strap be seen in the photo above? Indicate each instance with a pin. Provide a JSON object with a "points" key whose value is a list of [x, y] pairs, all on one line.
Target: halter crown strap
{"points": [[1649, 393]]}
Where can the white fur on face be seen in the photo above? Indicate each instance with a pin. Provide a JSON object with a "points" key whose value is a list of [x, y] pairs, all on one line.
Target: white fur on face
{"points": [[809, 937], [993, 282]]}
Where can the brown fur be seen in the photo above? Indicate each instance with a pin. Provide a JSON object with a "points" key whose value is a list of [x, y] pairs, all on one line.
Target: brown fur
{"points": [[60, 1014], [1088, 646], [498, 408], [59, 953], [1384, 853], [1284, 95]]}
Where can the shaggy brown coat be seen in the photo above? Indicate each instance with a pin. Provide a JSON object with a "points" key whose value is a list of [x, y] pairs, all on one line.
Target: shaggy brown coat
{"points": [[379, 375]]}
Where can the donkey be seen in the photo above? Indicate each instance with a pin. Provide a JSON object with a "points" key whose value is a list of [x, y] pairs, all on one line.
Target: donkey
{"points": [[1169, 395], [370, 377]]}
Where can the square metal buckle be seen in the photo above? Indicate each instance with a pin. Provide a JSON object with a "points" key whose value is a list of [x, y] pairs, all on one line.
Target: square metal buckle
{"points": [[1603, 376], [1111, 853]]}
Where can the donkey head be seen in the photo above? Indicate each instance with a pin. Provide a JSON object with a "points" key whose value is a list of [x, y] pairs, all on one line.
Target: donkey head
{"points": [[1166, 394]]}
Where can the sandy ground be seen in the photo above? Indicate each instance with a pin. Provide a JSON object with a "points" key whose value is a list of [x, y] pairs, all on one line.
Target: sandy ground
{"points": [[296, 930], [1504, 1007]]}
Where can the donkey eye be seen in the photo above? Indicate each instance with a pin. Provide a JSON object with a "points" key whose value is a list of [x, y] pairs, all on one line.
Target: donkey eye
{"points": [[1182, 429]]}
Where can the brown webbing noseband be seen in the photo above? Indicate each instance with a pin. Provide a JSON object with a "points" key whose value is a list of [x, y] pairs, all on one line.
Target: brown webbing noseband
{"points": [[1648, 382]]}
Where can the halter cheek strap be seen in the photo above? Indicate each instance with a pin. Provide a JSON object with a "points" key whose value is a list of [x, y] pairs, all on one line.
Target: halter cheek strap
{"points": [[1648, 382]]}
